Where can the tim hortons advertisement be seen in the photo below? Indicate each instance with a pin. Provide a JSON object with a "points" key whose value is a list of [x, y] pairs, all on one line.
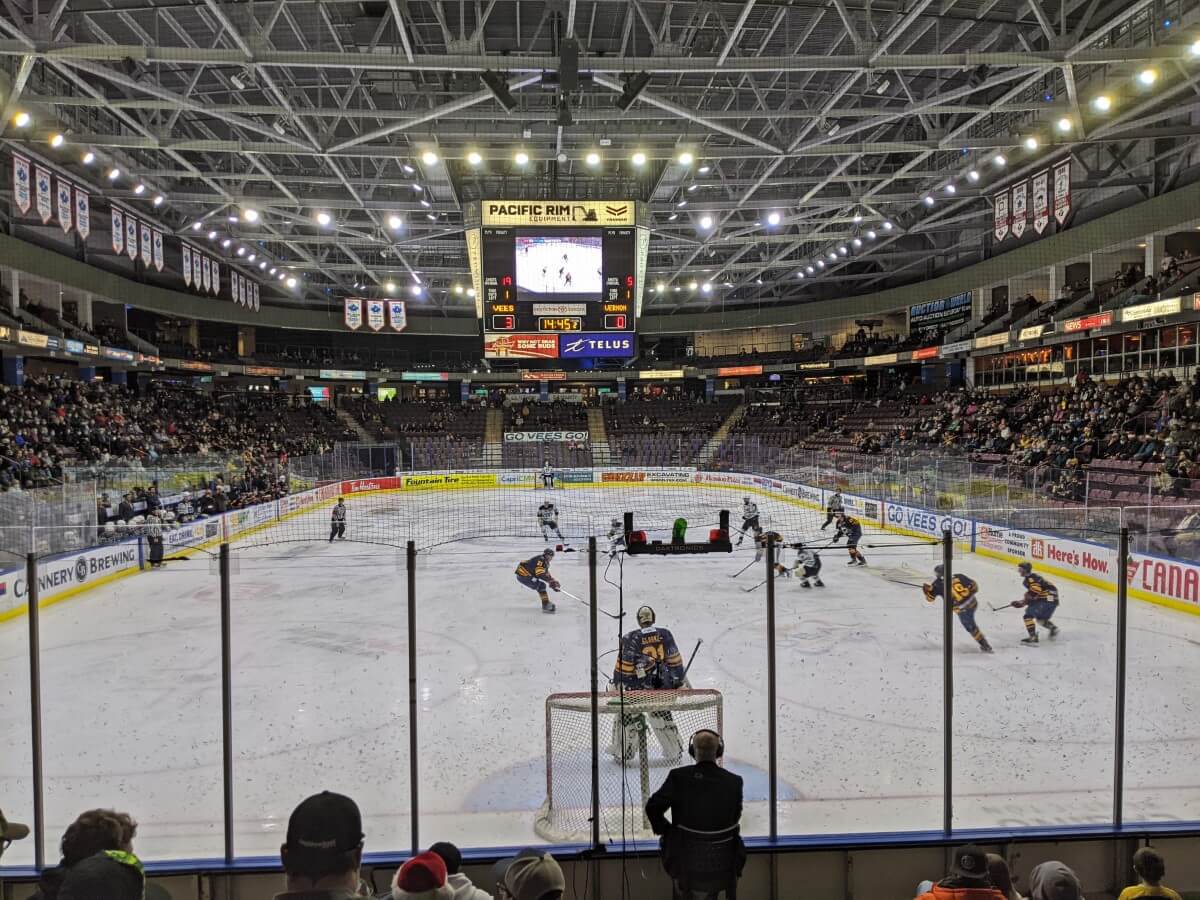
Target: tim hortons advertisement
{"points": [[1074, 556], [367, 485]]}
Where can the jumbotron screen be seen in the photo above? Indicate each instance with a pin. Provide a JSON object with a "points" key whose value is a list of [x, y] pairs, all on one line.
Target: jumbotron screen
{"points": [[559, 279]]}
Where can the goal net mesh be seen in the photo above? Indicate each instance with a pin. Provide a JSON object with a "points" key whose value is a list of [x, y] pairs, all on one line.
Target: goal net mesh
{"points": [[641, 734]]}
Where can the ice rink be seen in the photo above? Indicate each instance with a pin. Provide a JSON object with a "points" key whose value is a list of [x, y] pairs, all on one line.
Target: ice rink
{"points": [[547, 266], [132, 693]]}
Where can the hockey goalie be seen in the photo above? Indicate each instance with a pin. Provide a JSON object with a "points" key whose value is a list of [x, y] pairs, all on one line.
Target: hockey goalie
{"points": [[649, 660]]}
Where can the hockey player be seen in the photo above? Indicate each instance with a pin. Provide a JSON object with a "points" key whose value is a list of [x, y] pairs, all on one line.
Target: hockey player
{"points": [[965, 600], [834, 508], [760, 546], [337, 521], [547, 515], [1040, 602], [807, 566], [850, 528], [535, 574], [616, 537], [649, 660], [547, 474], [749, 519]]}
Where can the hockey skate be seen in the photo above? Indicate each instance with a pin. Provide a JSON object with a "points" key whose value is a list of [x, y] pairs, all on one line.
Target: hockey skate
{"points": [[1053, 629], [817, 582], [548, 606], [1030, 639], [985, 647], [804, 583]]}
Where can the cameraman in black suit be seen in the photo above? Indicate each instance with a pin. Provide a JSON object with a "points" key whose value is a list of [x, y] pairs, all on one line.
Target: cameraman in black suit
{"points": [[705, 802]]}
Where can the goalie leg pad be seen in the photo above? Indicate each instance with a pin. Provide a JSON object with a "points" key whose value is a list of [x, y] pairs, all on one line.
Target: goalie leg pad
{"points": [[667, 733]]}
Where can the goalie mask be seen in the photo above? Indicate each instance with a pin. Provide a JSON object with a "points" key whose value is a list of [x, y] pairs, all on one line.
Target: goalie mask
{"points": [[1025, 568], [645, 616], [548, 554]]}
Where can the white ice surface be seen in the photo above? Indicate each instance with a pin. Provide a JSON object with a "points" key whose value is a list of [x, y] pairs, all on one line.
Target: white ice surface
{"points": [[132, 695]]}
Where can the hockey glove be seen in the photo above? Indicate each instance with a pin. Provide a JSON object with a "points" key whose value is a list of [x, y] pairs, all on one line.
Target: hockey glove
{"points": [[554, 585], [1018, 604], [927, 589]]}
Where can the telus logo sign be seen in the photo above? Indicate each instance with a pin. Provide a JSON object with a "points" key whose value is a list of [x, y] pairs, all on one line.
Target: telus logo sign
{"points": [[594, 345]]}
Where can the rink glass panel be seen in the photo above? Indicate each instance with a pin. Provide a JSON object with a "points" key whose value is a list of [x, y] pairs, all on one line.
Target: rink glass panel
{"points": [[1033, 725], [16, 772], [131, 703], [1162, 720], [320, 681]]}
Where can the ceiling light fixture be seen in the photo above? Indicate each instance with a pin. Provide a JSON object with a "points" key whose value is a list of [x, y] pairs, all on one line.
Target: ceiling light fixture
{"points": [[408, 170], [521, 158], [672, 217], [158, 199], [887, 226], [241, 251], [226, 242], [692, 285], [291, 282], [429, 158], [820, 263], [951, 189], [973, 175], [870, 235], [638, 158], [809, 269], [843, 250], [263, 264], [324, 219], [1063, 124], [273, 270], [706, 287], [692, 187], [22, 119], [685, 158], [1147, 77], [1102, 103], [431, 217], [250, 214], [394, 222], [999, 161], [704, 170], [57, 140], [706, 222], [856, 243], [252, 257], [196, 226], [857, 218], [1031, 143], [415, 290], [773, 219], [212, 235], [88, 158], [592, 159], [474, 158], [927, 200], [681, 204]]}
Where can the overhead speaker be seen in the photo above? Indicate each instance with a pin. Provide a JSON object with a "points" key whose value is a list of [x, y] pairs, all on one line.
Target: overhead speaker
{"points": [[568, 65], [496, 83], [633, 87]]}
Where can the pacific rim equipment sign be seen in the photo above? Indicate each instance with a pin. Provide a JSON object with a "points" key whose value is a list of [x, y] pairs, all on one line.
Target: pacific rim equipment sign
{"points": [[559, 213]]}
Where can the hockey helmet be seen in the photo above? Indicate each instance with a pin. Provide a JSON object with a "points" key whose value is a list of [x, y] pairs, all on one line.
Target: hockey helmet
{"points": [[745, 499], [645, 616], [616, 523], [1025, 567], [939, 570], [548, 553], [110, 528]]}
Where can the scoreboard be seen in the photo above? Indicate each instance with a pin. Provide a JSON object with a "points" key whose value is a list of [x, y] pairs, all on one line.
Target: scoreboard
{"points": [[558, 279]]}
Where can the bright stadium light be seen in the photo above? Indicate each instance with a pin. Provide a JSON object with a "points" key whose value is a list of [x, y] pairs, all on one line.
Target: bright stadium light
{"points": [[1147, 77], [692, 285], [250, 214], [521, 158], [773, 219], [395, 222], [951, 189], [706, 222], [1031, 143], [999, 161], [139, 189], [429, 158], [88, 158], [592, 159], [887, 226], [638, 159], [685, 158], [1063, 124], [390, 287], [474, 158], [706, 287], [57, 140], [870, 235], [22, 119], [158, 199], [973, 175], [291, 282], [1102, 103], [212, 235], [324, 219], [927, 200], [225, 243], [809, 269], [857, 243]]}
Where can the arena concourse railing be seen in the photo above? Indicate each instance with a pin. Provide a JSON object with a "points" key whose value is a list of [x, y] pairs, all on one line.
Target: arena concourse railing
{"points": [[405, 665]]}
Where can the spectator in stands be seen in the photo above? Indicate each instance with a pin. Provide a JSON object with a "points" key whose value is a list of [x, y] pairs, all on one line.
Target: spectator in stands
{"points": [[92, 832], [459, 883], [125, 510], [530, 875], [107, 875], [704, 800], [422, 878], [1150, 869], [1054, 880], [323, 851], [968, 878], [1001, 877]]}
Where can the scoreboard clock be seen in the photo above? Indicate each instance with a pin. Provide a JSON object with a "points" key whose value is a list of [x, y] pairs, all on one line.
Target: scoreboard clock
{"points": [[558, 268]]}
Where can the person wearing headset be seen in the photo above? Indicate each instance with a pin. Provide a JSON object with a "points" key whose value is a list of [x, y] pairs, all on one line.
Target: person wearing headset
{"points": [[704, 800]]}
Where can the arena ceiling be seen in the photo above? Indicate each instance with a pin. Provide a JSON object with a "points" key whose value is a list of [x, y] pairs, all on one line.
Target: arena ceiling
{"points": [[811, 125]]}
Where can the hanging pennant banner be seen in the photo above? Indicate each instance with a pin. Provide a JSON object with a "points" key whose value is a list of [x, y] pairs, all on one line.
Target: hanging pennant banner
{"points": [[157, 244], [131, 231], [236, 288], [1001, 229], [43, 194], [1041, 200], [397, 315], [83, 213], [65, 207], [196, 269], [354, 313], [1020, 202], [1062, 191], [244, 291], [204, 273], [118, 231], [21, 193], [147, 250], [216, 278], [375, 314], [187, 265], [255, 296]]}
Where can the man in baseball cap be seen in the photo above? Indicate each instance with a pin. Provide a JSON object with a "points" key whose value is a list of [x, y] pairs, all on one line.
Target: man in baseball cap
{"points": [[324, 848], [530, 875], [11, 831], [968, 878]]}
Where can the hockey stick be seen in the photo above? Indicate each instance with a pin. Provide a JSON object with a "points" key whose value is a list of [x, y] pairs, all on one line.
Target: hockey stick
{"points": [[585, 603], [743, 569], [691, 660], [751, 590], [902, 581]]}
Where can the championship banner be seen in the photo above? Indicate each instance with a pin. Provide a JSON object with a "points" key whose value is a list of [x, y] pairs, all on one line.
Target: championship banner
{"points": [[43, 194], [593, 213], [1041, 200], [244, 291], [216, 278], [83, 213], [1020, 201], [353, 314], [157, 244], [397, 315], [147, 250], [1001, 222], [196, 269], [255, 296], [375, 314], [65, 207], [187, 265], [118, 232], [131, 234], [233, 287], [204, 272], [21, 193], [1062, 191]]}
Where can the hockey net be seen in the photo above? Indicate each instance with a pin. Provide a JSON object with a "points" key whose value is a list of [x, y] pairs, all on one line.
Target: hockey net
{"points": [[639, 732]]}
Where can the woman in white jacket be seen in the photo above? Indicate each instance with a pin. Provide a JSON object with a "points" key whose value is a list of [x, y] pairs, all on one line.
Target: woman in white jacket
{"points": [[461, 884]]}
